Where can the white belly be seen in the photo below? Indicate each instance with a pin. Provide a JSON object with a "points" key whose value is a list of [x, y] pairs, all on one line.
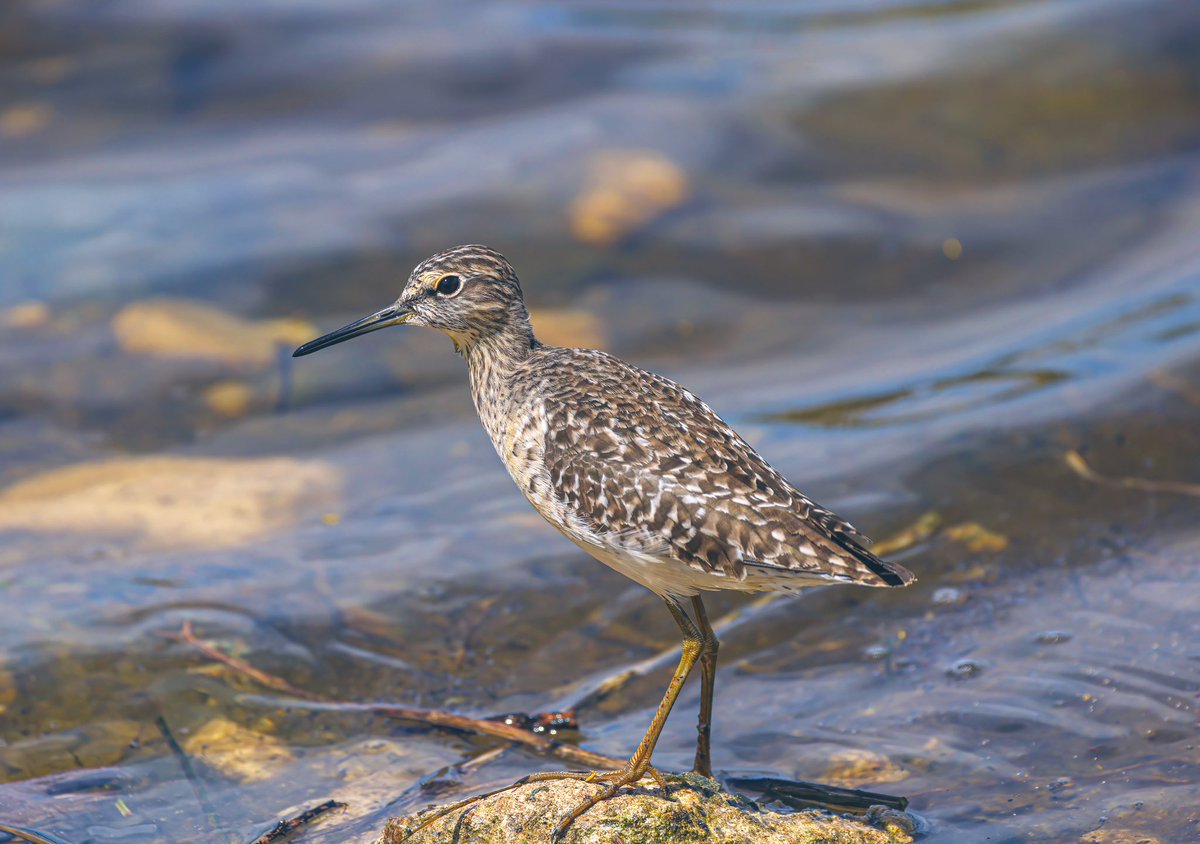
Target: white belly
{"points": [[669, 578], [665, 577]]}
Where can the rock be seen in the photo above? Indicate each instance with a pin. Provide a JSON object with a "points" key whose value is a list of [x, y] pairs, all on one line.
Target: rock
{"points": [[170, 501], [238, 752], [626, 189], [976, 537], [8, 687], [180, 328], [855, 768], [230, 399], [25, 119], [528, 813], [568, 327], [1117, 836], [25, 315]]}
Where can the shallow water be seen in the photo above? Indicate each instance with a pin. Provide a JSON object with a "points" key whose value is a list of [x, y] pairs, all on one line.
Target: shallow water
{"points": [[930, 258]]}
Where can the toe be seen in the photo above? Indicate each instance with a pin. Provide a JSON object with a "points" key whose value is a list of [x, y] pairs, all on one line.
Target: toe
{"points": [[659, 779]]}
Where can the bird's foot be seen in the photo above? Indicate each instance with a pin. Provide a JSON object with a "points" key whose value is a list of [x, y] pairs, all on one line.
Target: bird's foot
{"points": [[612, 781]]}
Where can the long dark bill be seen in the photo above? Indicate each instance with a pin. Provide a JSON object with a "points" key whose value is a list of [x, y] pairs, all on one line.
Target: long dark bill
{"points": [[391, 315]]}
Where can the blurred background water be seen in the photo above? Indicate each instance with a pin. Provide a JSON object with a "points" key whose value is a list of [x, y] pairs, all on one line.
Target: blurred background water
{"points": [[938, 260]]}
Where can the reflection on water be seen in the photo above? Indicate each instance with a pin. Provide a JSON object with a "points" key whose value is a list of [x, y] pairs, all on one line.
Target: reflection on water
{"points": [[1079, 352], [938, 398], [928, 257]]}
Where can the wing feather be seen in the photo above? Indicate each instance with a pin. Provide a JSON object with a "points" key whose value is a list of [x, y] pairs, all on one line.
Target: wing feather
{"points": [[635, 456]]}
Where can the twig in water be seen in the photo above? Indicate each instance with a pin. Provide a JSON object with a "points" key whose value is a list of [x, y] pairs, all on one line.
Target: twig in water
{"points": [[287, 826], [801, 795], [449, 776], [919, 531], [1080, 467], [189, 773], [32, 835], [540, 743], [540, 722], [799, 792], [433, 717], [271, 681], [1176, 385]]}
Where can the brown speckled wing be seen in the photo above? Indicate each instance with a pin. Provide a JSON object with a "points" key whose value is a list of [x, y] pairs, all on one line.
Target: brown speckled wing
{"points": [[635, 455]]}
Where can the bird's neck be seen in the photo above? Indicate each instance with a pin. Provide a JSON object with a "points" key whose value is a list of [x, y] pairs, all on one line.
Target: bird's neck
{"points": [[493, 356]]}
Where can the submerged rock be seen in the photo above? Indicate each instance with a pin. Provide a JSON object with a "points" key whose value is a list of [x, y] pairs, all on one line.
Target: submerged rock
{"points": [[238, 752], [170, 501], [181, 328], [689, 815]]}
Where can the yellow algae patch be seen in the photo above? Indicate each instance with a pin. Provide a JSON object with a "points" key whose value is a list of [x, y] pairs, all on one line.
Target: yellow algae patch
{"points": [[1161, 378], [855, 768], [204, 502], [625, 190], [25, 315], [52, 69], [1080, 467], [236, 751], [8, 687], [229, 398], [24, 119], [105, 743], [180, 328], [917, 532], [1117, 836], [568, 328], [976, 537]]}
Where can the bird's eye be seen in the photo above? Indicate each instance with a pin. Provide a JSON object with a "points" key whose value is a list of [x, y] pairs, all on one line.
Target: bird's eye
{"points": [[448, 285]]}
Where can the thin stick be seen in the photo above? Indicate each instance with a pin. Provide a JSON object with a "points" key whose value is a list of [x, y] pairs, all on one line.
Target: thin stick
{"points": [[464, 723], [287, 826], [189, 773], [799, 794], [433, 717], [798, 791], [1080, 467], [1176, 385], [31, 835], [422, 786], [271, 681]]}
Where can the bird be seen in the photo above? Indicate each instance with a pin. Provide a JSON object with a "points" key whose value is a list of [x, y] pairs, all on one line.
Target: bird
{"points": [[632, 468]]}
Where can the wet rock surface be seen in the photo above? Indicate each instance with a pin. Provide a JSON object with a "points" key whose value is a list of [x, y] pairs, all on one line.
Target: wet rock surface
{"points": [[688, 814]]}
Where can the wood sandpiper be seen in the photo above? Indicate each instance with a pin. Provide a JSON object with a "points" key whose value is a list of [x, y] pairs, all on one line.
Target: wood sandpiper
{"points": [[633, 469]]}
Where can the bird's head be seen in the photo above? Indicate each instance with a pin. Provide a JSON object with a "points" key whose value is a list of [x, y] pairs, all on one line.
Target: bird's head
{"points": [[468, 292]]}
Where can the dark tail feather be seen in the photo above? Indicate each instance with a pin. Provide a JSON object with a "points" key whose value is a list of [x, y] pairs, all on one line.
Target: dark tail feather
{"points": [[892, 574]]}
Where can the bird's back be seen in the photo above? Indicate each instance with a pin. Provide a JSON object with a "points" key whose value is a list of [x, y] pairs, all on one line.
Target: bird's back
{"points": [[626, 462]]}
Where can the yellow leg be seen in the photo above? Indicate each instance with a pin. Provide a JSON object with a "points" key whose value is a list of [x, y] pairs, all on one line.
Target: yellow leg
{"points": [[638, 765], [708, 679]]}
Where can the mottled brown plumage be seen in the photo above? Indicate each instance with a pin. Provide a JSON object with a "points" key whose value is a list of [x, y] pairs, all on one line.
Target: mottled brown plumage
{"points": [[628, 465], [643, 462]]}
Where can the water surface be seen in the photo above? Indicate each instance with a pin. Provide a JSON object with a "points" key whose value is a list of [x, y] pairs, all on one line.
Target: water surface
{"points": [[937, 261]]}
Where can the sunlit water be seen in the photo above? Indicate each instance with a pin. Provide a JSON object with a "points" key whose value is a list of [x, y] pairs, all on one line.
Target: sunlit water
{"points": [[920, 254]]}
